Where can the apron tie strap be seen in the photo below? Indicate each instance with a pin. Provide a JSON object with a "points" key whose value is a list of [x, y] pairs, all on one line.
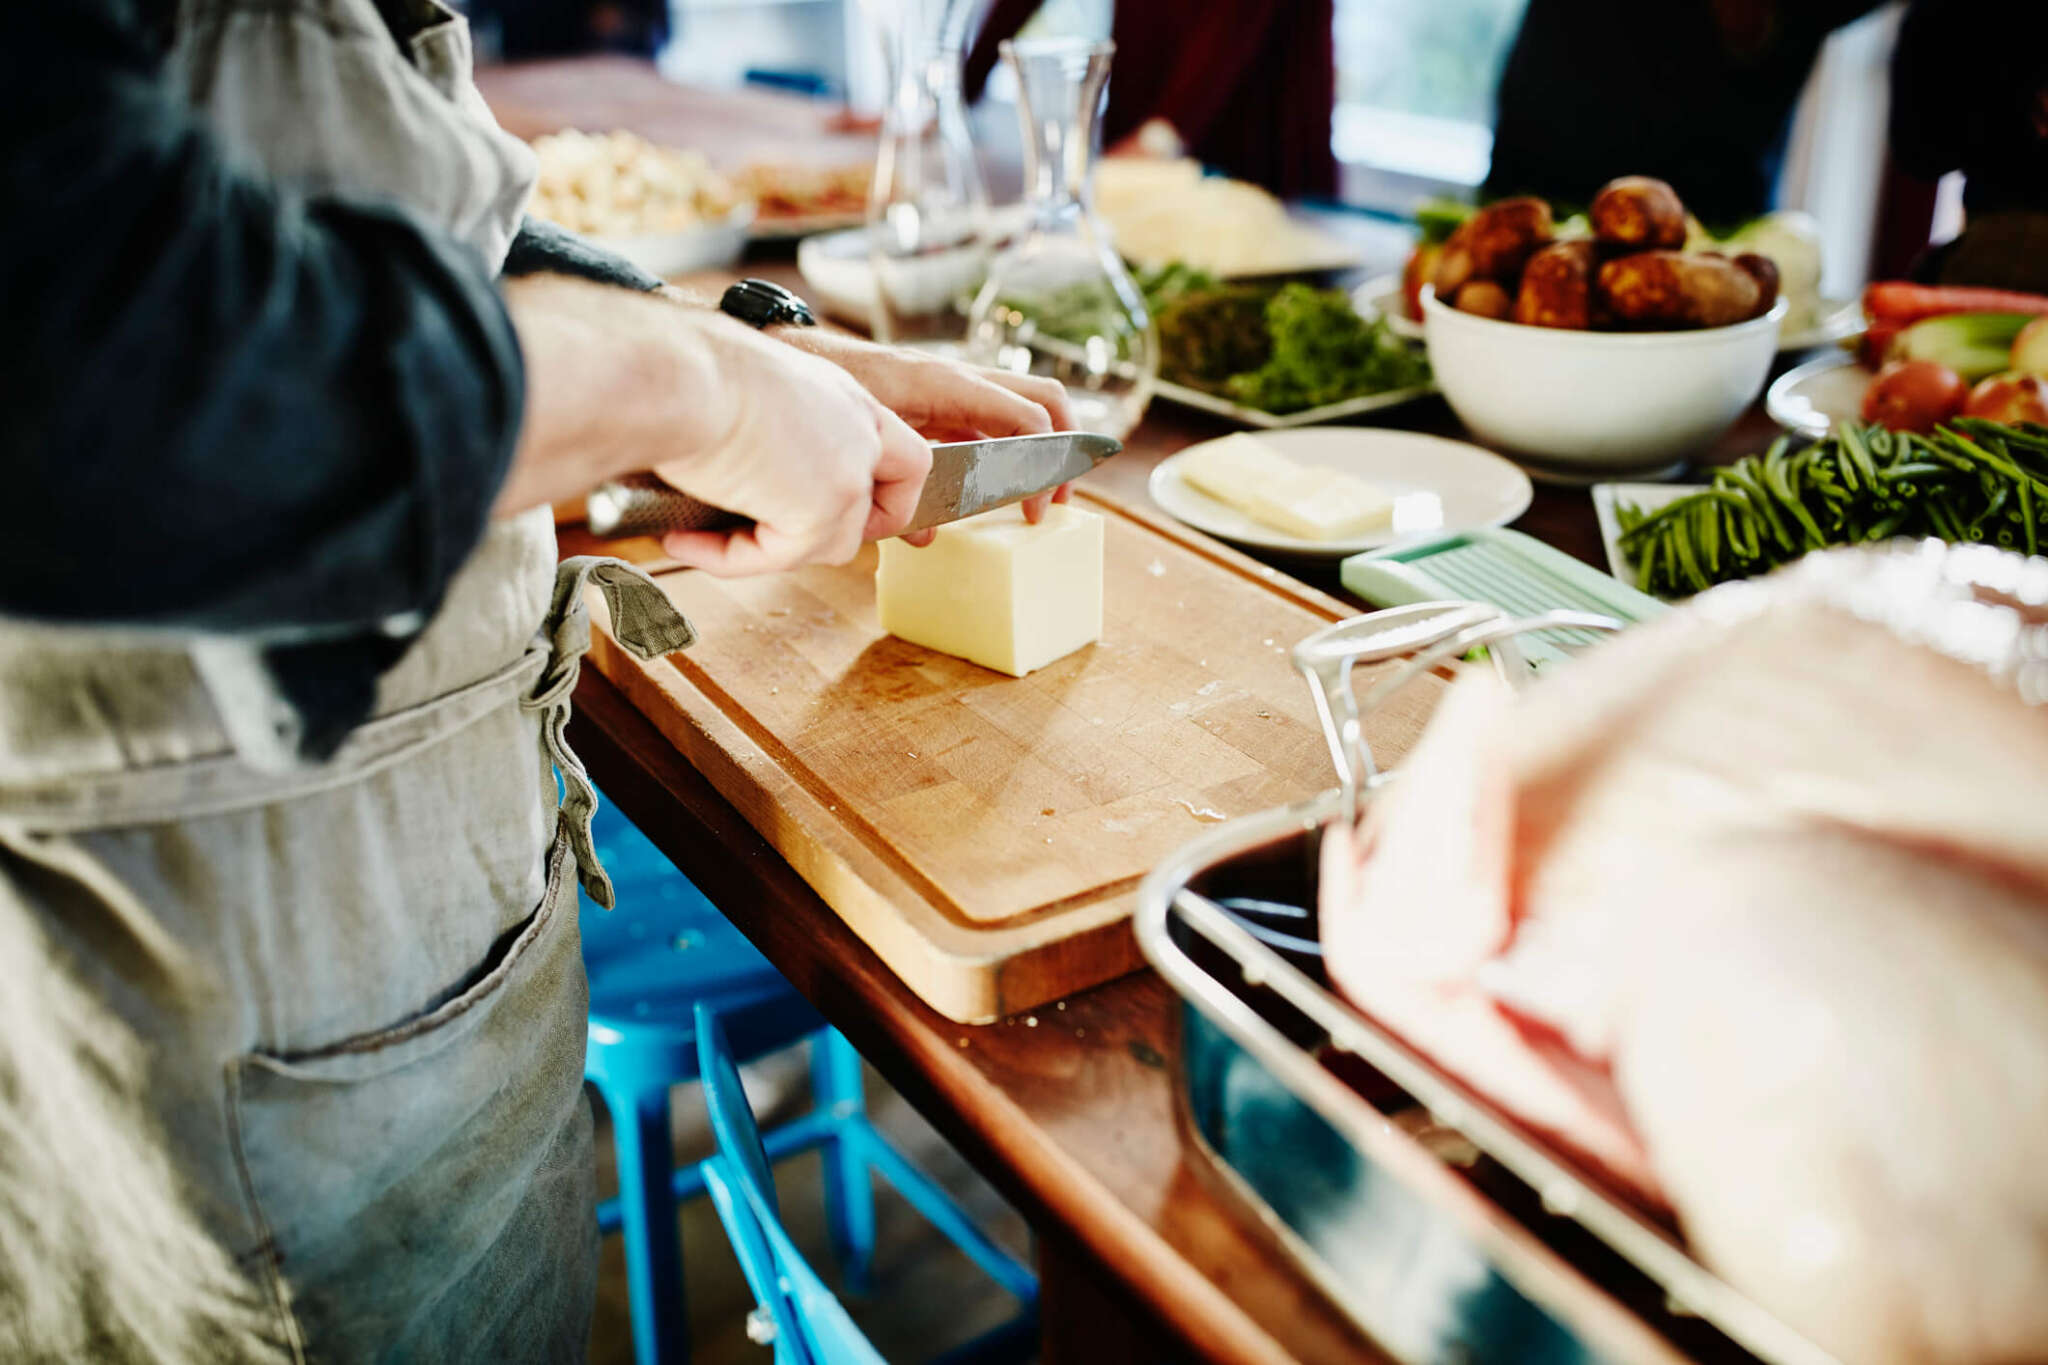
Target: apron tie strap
{"points": [[649, 626]]}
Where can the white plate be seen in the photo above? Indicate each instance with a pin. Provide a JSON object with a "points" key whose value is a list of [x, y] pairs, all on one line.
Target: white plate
{"points": [[1649, 497], [788, 228], [1834, 319], [1276, 421], [1811, 398], [1437, 485]]}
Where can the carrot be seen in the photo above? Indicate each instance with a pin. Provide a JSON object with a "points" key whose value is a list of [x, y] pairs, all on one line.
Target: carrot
{"points": [[1900, 302]]}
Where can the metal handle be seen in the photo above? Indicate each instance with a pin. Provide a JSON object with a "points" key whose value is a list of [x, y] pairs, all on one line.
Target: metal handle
{"points": [[645, 505], [1434, 633], [1327, 657]]}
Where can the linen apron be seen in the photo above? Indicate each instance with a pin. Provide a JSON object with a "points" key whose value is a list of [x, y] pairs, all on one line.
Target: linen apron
{"points": [[359, 981]]}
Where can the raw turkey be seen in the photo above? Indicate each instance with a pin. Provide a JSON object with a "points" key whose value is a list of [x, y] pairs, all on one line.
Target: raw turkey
{"points": [[1749, 910]]}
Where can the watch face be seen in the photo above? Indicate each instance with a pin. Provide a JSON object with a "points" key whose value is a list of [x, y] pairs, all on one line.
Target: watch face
{"points": [[764, 304]]}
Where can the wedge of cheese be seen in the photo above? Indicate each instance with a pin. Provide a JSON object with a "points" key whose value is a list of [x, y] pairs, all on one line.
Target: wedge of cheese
{"points": [[1309, 501], [997, 591]]}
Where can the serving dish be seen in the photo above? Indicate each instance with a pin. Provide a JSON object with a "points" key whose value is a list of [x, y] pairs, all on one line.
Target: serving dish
{"points": [[1437, 484], [1438, 1223], [706, 246], [1810, 399], [1583, 405], [1834, 319], [1649, 497], [1215, 404], [798, 200]]}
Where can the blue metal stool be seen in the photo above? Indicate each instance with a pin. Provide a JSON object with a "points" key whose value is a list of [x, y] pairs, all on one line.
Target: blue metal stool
{"points": [[665, 951], [811, 1326]]}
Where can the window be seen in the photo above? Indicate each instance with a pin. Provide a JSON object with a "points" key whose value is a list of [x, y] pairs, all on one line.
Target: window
{"points": [[1415, 82]]}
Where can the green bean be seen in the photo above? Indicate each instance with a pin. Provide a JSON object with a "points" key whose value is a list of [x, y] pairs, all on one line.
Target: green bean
{"points": [[1972, 481]]}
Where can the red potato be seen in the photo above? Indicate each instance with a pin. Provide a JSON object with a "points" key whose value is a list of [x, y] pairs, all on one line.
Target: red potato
{"points": [[1914, 395], [1484, 298], [1494, 244], [1667, 290], [2009, 398], [1764, 271], [1638, 213], [1557, 287]]}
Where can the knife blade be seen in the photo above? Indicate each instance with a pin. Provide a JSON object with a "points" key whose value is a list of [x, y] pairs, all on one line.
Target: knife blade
{"points": [[967, 477]]}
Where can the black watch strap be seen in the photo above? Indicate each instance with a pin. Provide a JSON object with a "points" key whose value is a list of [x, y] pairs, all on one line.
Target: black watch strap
{"points": [[760, 303]]}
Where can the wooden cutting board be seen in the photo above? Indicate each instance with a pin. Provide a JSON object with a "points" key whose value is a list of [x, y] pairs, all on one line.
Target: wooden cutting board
{"points": [[985, 834]]}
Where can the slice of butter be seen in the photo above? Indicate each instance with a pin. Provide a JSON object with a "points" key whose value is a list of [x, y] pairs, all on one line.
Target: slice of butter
{"points": [[997, 591], [1310, 501]]}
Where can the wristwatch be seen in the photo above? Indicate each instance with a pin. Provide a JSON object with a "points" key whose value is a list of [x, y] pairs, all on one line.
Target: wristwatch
{"points": [[760, 303]]}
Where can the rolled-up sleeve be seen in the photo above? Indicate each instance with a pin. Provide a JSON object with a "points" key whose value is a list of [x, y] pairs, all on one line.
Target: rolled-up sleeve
{"points": [[227, 408]]}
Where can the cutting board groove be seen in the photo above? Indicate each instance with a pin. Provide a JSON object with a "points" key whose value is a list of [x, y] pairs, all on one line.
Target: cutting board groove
{"points": [[985, 834]]}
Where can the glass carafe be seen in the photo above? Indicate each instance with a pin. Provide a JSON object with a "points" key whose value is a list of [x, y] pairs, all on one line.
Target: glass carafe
{"points": [[928, 208], [1058, 302]]}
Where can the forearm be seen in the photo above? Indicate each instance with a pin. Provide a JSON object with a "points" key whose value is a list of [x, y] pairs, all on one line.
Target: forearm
{"points": [[614, 380]]}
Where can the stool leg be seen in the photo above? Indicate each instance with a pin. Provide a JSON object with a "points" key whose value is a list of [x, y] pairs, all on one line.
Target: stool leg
{"points": [[849, 1188], [647, 1209]]}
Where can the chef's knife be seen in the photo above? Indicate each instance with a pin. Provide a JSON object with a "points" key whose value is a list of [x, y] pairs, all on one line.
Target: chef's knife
{"points": [[967, 477]]}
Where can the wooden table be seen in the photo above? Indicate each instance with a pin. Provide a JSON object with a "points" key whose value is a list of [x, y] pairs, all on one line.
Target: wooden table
{"points": [[1069, 1111]]}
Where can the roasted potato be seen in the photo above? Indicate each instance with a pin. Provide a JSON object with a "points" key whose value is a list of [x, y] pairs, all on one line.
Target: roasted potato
{"points": [[1506, 234], [1640, 213], [1669, 290], [1453, 266], [1764, 271], [1557, 286], [1484, 297]]}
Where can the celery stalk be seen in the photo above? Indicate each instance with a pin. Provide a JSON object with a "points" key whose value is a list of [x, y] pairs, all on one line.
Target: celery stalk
{"points": [[1972, 344]]}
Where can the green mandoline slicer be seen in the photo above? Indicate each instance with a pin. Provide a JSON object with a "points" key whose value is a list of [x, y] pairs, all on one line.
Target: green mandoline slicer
{"points": [[1506, 569]]}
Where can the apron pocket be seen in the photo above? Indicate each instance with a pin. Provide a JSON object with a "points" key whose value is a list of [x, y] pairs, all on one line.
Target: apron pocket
{"points": [[425, 1190]]}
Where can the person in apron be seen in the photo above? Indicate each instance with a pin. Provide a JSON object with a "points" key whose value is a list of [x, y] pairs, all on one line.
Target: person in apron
{"points": [[357, 982]]}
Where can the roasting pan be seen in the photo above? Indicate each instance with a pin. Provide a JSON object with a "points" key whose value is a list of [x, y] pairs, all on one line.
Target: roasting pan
{"points": [[1440, 1225]]}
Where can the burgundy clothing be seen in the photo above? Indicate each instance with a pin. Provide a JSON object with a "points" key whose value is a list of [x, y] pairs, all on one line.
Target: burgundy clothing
{"points": [[1248, 84]]}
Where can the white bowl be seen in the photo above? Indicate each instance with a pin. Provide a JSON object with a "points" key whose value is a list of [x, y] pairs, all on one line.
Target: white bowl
{"points": [[1597, 403], [708, 246]]}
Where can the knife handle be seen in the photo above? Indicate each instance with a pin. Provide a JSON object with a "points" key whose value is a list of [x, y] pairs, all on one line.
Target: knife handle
{"points": [[644, 505]]}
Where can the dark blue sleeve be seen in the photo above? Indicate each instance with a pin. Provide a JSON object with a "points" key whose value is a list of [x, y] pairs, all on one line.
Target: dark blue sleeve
{"points": [[541, 247], [227, 408]]}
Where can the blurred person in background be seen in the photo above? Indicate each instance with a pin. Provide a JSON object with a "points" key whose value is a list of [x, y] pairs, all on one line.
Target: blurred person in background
{"points": [[517, 30], [1970, 94], [291, 1001], [1696, 92], [1247, 85]]}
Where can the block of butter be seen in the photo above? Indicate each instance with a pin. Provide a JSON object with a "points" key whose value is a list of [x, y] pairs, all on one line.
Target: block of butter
{"points": [[997, 591], [1310, 501]]}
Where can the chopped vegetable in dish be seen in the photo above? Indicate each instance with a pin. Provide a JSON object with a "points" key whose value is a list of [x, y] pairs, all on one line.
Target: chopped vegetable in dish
{"points": [[1324, 352], [1283, 350], [1970, 480]]}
